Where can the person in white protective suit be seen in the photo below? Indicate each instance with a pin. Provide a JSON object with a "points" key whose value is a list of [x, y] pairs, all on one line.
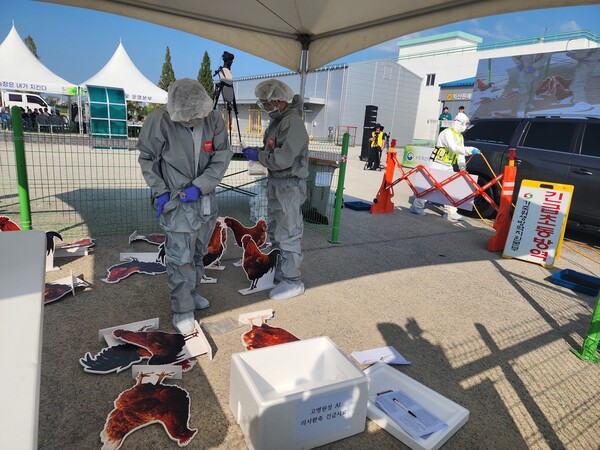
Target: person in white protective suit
{"points": [[449, 149], [285, 155], [529, 68], [183, 156]]}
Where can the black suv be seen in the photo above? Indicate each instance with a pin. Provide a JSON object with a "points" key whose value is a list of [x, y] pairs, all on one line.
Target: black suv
{"points": [[551, 149]]}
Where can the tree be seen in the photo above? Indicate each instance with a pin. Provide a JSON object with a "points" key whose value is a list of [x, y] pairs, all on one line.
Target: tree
{"points": [[168, 75], [205, 75], [30, 43]]}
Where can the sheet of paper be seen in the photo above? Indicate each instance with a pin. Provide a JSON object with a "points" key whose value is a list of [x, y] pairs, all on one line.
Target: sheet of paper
{"points": [[410, 415], [388, 355]]}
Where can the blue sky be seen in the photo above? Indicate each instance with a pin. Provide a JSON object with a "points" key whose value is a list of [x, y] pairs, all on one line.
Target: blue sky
{"points": [[76, 43]]}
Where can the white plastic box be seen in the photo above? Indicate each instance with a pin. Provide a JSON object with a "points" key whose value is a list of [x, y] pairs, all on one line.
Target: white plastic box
{"points": [[383, 377], [297, 395]]}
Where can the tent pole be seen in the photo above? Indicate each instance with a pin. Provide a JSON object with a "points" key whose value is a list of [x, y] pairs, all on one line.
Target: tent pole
{"points": [[305, 40]]}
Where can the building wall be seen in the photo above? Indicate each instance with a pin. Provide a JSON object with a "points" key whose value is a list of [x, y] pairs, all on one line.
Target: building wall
{"points": [[338, 96], [456, 66]]}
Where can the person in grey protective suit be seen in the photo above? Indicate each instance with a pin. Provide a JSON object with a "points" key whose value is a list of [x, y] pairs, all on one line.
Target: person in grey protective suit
{"points": [[285, 155], [183, 156]]}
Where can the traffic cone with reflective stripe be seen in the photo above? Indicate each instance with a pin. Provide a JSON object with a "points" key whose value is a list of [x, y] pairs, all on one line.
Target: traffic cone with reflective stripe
{"points": [[502, 222], [382, 204]]}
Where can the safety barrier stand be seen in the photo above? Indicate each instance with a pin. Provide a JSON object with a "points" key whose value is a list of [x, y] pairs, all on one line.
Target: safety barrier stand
{"points": [[590, 345], [382, 204], [503, 219]]}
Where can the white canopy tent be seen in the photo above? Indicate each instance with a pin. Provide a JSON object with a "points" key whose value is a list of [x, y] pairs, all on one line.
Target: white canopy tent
{"points": [[284, 31], [120, 72], [20, 70]]}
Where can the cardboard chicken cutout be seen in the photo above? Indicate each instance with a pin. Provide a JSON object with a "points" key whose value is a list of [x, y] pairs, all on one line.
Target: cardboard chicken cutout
{"points": [[216, 247], [72, 249], [152, 238], [133, 265], [149, 401], [259, 266], [258, 233], [59, 288], [132, 343], [264, 335]]}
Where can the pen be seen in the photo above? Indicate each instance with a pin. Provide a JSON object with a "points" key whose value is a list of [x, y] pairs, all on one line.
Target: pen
{"points": [[382, 359], [397, 402]]}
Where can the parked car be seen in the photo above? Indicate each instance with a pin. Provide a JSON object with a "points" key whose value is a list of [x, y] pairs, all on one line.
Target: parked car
{"points": [[552, 149], [23, 100]]}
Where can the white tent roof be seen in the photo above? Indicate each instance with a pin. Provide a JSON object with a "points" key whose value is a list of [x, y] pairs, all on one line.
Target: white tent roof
{"points": [[330, 29], [120, 72], [21, 70]]}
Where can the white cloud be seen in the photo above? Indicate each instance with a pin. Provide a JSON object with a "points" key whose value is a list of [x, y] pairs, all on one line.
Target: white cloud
{"points": [[569, 26]]}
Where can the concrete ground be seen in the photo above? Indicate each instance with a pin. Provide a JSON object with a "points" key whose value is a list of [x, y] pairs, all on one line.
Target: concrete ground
{"points": [[491, 334]]}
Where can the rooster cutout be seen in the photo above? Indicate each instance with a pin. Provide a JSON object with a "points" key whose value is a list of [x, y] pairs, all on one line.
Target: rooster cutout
{"points": [[164, 348], [122, 270], [216, 247], [152, 238], [259, 266], [120, 357], [6, 224], [58, 289], [266, 336], [258, 233], [147, 403]]}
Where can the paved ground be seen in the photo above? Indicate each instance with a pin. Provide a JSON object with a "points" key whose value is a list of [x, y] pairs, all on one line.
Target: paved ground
{"points": [[492, 334]]}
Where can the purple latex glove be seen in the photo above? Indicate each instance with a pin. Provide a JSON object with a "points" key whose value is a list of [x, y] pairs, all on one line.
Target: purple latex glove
{"points": [[160, 202], [190, 194], [250, 153], [530, 70], [520, 67]]}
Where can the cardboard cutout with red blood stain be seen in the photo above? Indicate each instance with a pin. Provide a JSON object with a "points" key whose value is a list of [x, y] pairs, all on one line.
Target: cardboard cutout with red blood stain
{"points": [[152, 238], [56, 290], [133, 265], [149, 401], [6, 224], [264, 335]]}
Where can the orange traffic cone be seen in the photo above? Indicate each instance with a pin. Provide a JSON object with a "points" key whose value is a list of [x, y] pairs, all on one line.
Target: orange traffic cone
{"points": [[382, 204], [502, 222]]}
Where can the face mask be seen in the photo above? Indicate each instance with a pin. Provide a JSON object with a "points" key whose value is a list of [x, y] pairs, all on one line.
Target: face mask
{"points": [[274, 114], [459, 126]]}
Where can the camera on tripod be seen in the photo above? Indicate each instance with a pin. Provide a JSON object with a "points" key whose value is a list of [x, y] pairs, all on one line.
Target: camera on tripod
{"points": [[224, 88]]}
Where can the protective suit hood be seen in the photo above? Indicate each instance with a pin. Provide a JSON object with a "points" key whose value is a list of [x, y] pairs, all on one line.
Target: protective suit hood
{"points": [[188, 102], [460, 123]]}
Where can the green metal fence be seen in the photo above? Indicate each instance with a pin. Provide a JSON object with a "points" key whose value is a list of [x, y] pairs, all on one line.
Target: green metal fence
{"points": [[80, 187]]}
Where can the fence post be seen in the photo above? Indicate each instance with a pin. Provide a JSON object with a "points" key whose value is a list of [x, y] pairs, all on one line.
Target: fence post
{"points": [[339, 193], [17, 124], [590, 345]]}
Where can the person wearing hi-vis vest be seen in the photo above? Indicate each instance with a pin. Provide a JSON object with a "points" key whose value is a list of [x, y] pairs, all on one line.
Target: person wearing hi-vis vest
{"points": [[449, 149], [376, 141]]}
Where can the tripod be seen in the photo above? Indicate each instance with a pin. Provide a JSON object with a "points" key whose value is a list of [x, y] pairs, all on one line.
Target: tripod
{"points": [[224, 88]]}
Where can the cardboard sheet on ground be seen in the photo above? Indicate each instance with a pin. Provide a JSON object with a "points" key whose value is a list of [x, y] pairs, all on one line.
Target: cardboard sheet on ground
{"points": [[387, 355], [74, 249], [264, 335], [56, 290], [255, 317], [457, 189], [259, 266], [149, 401], [152, 238], [133, 265]]}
